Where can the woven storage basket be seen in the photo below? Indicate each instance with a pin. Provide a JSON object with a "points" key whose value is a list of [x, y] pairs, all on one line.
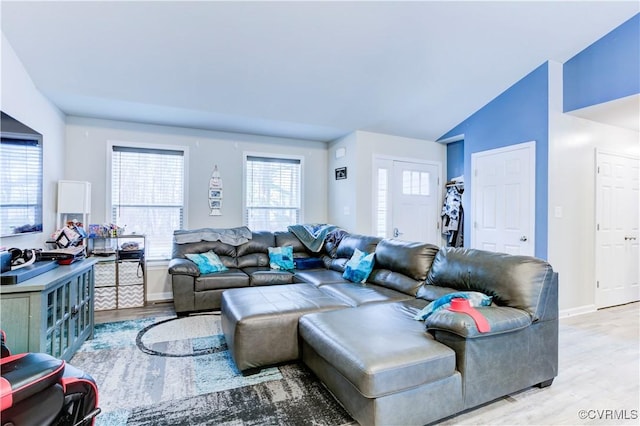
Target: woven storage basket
{"points": [[105, 298], [131, 296], [130, 273], [105, 274]]}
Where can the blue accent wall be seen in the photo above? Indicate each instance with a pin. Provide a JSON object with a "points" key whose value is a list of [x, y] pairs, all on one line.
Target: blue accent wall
{"points": [[608, 69], [455, 159], [519, 114]]}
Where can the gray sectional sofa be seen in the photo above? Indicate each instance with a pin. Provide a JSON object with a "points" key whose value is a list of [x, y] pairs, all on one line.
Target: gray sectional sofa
{"points": [[362, 340]]}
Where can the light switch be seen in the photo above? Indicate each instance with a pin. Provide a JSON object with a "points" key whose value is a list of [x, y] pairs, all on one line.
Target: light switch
{"points": [[558, 212], [347, 211]]}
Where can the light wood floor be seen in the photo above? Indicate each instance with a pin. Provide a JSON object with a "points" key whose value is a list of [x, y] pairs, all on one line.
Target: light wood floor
{"points": [[599, 370]]}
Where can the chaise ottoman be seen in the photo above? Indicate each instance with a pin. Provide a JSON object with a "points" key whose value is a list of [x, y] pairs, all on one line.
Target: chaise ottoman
{"points": [[381, 364], [260, 324]]}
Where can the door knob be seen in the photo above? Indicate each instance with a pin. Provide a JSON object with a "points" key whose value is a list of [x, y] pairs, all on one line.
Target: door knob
{"points": [[523, 238]]}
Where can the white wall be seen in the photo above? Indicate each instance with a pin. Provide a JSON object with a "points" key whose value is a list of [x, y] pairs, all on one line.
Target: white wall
{"points": [[572, 145], [86, 152], [342, 208], [351, 202], [22, 100]]}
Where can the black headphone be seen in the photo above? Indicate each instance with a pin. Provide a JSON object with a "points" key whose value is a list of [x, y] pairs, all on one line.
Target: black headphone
{"points": [[22, 258]]}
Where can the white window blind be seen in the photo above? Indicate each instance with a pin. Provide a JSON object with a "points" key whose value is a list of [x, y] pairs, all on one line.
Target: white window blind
{"points": [[272, 188], [383, 203], [147, 195], [21, 183]]}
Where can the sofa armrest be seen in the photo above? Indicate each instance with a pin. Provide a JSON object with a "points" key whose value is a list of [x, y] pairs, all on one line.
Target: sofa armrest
{"points": [[501, 319], [179, 266]]}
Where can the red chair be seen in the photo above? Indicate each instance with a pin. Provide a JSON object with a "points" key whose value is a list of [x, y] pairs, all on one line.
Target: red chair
{"points": [[38, 389]]}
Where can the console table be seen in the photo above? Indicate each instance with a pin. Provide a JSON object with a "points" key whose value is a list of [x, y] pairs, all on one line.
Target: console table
{"points": [[50, 313]]}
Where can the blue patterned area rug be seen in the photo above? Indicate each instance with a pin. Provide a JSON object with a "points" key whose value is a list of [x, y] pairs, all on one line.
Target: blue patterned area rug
{"points": [[178, 371]]}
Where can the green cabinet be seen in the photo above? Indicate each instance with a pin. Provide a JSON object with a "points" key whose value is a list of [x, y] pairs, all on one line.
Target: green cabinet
{"points": [[50, 313]]}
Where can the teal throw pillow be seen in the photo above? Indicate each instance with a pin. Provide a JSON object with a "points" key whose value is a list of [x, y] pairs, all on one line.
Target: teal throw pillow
{"points": [[359, 267], [475, 299], [281, 258], [208, 262]]}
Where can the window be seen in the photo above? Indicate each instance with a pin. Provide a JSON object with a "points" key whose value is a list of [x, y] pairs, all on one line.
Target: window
{"points": [[383, 203], [415, 182], [147, 195], [21, 183], [272, 192]]}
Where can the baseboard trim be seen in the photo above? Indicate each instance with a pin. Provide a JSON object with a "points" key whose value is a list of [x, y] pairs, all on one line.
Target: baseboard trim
{"points": [[580, 310], [160, 297]]}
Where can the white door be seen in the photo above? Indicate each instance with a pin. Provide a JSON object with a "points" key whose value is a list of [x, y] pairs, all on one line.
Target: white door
{"points": [[616, 229], [407, 200], [503, 199]]}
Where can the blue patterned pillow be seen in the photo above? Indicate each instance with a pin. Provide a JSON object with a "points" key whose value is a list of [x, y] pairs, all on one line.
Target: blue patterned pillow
{"points": [[475, 299], [208, 262], [281, 258], [359, 267]]}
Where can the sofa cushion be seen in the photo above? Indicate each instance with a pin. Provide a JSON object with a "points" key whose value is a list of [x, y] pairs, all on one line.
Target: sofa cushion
{"points": [[220, 280], [182, 266], [501, 320], [402, 265], [207, 263], [379, 348], [320, 277], [332, 241], [262, 275], [351, 242], [259, 243], [221, 249], [281, 258], [407, 258], [475, 299], [254, 252], [356, 295], [288, 239], [515, 281], [359, 267]]}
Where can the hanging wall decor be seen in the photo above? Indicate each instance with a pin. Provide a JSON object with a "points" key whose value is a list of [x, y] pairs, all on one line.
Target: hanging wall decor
{"points": [[215, 193]]}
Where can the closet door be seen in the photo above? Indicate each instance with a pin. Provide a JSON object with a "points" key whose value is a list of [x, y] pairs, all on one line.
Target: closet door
{"points": [[503, 199], [616, 229]]}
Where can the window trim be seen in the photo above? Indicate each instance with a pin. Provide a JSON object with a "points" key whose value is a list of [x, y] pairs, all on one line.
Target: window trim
{"points": [[150, 146], [277, 156]]}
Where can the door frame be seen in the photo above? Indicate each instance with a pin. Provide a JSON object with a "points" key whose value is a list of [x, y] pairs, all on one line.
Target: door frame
{"points": [[374, 188], [531, 146], [596, 216]]}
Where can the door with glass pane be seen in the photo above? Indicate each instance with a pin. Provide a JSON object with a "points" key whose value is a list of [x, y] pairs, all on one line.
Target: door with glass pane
{"points": [[407, 199]]}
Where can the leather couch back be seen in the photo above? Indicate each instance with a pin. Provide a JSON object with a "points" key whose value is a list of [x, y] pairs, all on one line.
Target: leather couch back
{"points": [[288, 239], [347, 246], [521, 282], [226, 252], [255, 252], [402, 265]]}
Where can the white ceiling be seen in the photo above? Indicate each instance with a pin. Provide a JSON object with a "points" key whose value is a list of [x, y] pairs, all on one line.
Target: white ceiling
{"points": [[309, 70]]}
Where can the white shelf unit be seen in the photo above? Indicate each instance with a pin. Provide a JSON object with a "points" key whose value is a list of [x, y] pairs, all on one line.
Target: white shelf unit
{"points": [[121, 277]]}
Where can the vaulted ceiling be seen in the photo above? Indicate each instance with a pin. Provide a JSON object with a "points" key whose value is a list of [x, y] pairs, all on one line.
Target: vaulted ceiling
{"points": [[309, 70]]}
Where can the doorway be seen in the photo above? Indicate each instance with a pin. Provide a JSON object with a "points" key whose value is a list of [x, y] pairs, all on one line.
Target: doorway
{"points": [[503, 199], [407, 200], [616, 227]]}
